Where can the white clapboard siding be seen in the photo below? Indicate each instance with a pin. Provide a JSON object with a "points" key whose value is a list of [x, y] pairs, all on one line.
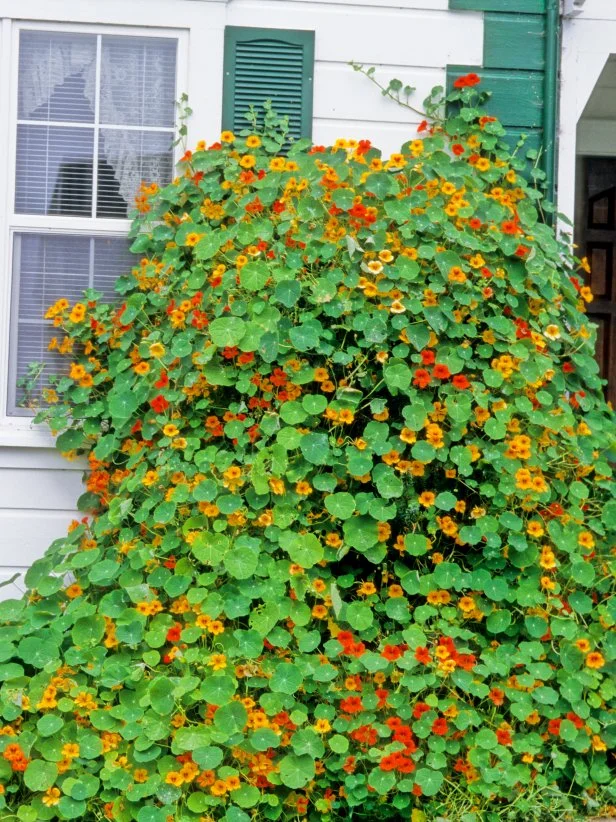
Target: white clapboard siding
{"points": [[38, 493], [412, 40]]}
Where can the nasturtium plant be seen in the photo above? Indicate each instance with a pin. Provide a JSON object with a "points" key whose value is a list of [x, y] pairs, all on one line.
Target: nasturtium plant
{"points": [[349, 526]]}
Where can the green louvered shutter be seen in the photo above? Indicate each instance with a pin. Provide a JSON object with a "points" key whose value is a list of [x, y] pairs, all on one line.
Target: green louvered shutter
{"points": [[268, 64]]}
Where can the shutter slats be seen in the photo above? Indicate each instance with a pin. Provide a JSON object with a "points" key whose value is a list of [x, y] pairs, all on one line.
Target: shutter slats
{"points": [[271, 65]]}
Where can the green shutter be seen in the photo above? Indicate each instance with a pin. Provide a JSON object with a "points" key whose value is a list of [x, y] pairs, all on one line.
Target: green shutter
{"points": [[529, 6], [268, 64]]}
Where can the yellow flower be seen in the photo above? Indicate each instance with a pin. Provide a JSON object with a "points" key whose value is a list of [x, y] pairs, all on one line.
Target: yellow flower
{"points": [[170, 430], [70, 750], [227, 137], [193, 238], [253, 141], [157, 349], [248, 161], [51, 797], [322, 726], [426, 498]]}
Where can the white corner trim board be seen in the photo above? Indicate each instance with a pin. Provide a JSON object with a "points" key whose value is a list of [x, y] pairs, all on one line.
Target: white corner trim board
{"points": [[587, 44]]}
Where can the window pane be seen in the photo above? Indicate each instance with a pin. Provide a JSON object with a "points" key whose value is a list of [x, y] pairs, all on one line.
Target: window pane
{"points": [[138, 81], [47, 267], [57, 76], [54, 170], [126, 159], [111, 259]]}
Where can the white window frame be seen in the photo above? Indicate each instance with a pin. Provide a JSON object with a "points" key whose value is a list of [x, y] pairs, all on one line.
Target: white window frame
{"points": [[199, 23]]}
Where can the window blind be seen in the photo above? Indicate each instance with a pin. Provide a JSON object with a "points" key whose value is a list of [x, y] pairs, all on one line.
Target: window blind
{"points": [[94, 112], [47, 267]]}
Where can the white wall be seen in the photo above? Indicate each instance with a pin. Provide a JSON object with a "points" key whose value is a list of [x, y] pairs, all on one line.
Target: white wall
{"points": [[586, 126], [413, 40]]}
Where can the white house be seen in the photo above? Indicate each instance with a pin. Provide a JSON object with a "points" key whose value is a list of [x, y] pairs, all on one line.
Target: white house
{"points": [[87, 95], [87, 110]]}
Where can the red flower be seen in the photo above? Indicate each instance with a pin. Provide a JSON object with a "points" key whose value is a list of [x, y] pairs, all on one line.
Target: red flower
{"points": [[349, 764], [422, 378], [363, 147], [388, 763], [391, 653], [504, 737], [365, 735], [159, 404], [466, 661], [356, 649], [467, 81], [162, 381], [510, 227], [423, 126], [351, 705], [577, 721], [554, 726], [497, 696], [419, 709], [173, 634], [405, 765], [439, 726], [522, 251], [475, 223], [441, 372], [568, 367], [460, 381], [427, 357], [458, 149], [422, 655]]}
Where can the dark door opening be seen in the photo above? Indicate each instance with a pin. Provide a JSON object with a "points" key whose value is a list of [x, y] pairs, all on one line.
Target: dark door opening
{"points": [[596, 238]]}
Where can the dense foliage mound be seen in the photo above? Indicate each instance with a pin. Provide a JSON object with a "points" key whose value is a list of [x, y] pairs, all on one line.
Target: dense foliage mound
{"points": [[350, 505]]}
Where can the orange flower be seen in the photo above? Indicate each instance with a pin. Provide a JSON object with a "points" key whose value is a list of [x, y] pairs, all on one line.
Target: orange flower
{"points": [[595, 660]]}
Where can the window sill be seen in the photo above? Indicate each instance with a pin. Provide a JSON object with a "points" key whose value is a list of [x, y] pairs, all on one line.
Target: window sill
{"points": [[22, 435]]}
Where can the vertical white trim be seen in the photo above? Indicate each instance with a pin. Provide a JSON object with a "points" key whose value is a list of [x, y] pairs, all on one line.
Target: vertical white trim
{"points": [[7, 76], [97, 117], [586, 47]]}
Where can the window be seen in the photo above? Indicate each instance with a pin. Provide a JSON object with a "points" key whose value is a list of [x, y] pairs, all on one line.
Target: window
{"points": [[95, 118]]}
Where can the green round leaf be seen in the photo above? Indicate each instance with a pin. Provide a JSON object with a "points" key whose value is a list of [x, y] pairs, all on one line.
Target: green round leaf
{"points": [[227, 331], [340, 505], [296, 771]]}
